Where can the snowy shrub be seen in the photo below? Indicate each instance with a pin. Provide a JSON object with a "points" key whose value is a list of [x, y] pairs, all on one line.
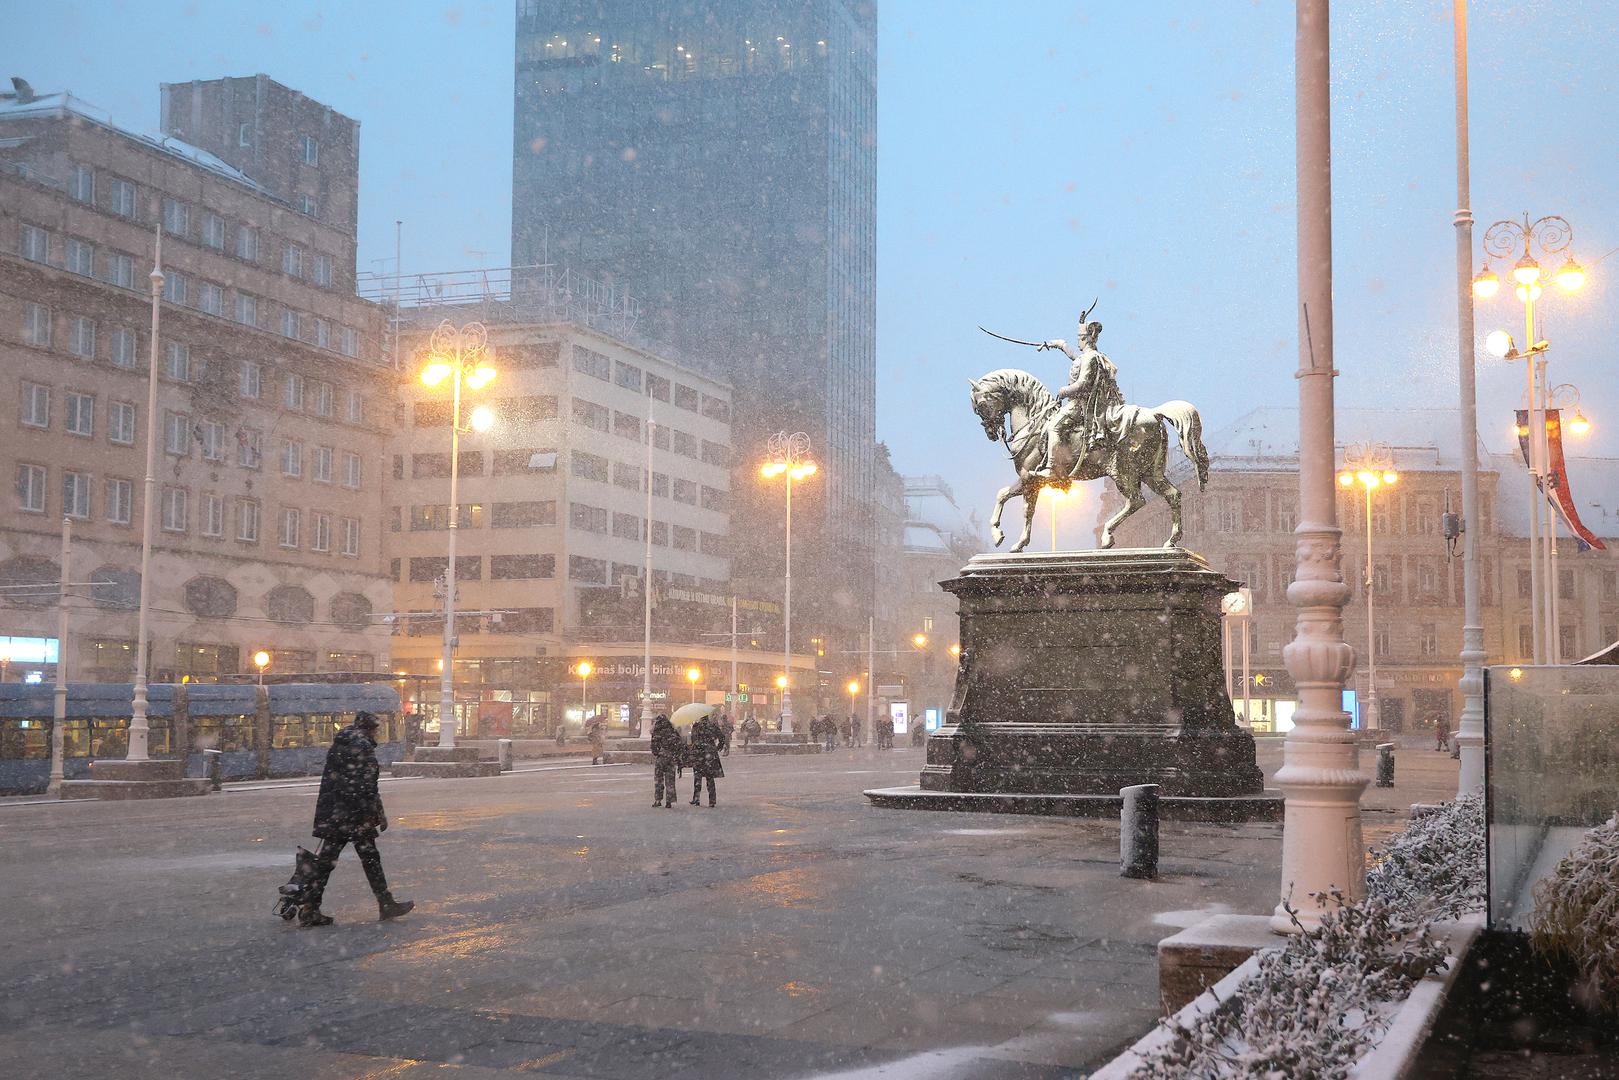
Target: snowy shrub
{"points": [[1314, 1005], [1576, 916], [1435, 868]]}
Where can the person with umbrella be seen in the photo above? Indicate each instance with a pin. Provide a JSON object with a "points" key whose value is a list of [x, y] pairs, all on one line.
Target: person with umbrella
{"points": [[667, 747], [706, 739]]}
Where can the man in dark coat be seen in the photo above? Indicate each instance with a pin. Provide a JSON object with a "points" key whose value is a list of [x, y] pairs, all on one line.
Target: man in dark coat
{"points": [[751, 730], [855, 735], [594, 731], [727, 730], [349, 811], [705, 758], [667, 746]]}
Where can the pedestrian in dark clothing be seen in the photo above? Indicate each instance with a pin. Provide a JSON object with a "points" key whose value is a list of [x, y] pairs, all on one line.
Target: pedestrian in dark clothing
{"points": [[348, 810], [855, 733], [1441, 733], [705, 758], [593, 731], [846, 733], [562, 732], [829, 732], [728, 728], [667, 747], [751, 730]]}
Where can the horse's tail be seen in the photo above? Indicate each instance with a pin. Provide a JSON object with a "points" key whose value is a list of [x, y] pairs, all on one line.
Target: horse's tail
{"points": [[1183, 417]]}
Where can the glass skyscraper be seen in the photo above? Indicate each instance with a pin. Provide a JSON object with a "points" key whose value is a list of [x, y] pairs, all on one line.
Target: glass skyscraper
{"points": [[717, 159]]}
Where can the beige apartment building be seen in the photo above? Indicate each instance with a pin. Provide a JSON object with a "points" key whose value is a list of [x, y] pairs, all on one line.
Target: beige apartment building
{"points": [[1243, 524], [273, 396], [552, 527]]}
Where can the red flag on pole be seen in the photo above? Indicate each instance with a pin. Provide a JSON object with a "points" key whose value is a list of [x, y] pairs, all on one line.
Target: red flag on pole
{"points": [[1555, 483]]}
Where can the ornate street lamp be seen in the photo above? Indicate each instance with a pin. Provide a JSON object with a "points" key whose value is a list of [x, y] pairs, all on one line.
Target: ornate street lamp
{"points": [[459, 355], [788, 456], [1370, 465], [261, 660], [1547, 237], [583, 670]]}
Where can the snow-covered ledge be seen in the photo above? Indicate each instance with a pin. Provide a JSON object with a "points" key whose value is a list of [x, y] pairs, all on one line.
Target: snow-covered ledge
{"points": [[1394, 1055]]}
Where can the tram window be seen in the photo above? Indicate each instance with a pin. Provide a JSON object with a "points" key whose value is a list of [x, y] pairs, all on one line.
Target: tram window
{"points": [[288, 731], [109, 737], [76, 738], [222, 732], [24, 739], [322, 728]]}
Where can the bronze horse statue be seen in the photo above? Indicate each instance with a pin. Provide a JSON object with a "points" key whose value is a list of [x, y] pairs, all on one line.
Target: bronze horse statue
{"points": [[1009, 398]]}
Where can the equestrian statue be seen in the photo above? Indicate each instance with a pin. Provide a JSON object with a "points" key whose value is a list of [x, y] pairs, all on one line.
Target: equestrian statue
{"points": [[1085, 432]]}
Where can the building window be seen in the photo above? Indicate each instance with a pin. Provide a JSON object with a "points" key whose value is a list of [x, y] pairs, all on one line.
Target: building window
{"points": [[291, 526], [35, 244], [121, 270], [176, 434], [244, 135], [627, 375], [250, 379], [660, 485], [592, 363], [213, 515], [354, 412], [176, 509], [657, 387], [626, 526], [351, 537], [177, 361], [76, 494], [320, 532], [36, 324], [175, 287], [715, 499], [307, 205], [289, 323], [687, 398], [1568, 643], [581, 568], [323, 270], [82, 186], [717, 409], [211, 298], [627, 426], [1428, 640], [121, 423], [682, 538], [628, 477], [517, 515], [1565, 583], [36, 405], [292, 458], [123, 347], [592, 415], [81, 337], [588, 518], [121, 197], [323, 395], [247, 243], [309, 149], [685, 491], [120, 501], [351, 469], [213, 231], [685, 444], [81, 258], [247, 521], [249, 448], [589, 466], [292, 392], [176, 217], [292, 260], [321, 460], [1526, 583], [1610, 586], [1526, 642], [528, 409], [349, 341], [31, 488], [660, 533], [521, 567], [212, 434], [81, 414], [1382, 644]]}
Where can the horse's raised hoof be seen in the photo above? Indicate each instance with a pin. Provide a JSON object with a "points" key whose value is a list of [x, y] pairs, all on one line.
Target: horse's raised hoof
{"points": [[997, 535]]}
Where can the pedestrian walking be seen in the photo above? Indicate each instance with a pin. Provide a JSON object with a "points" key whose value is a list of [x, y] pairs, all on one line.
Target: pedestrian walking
{"points": [[751, 730], [348, 810], [846, 733], [854, 732], [562, 731], [1441, 733], [829, 732], [705, 758], [593, 732], [667, 748]]}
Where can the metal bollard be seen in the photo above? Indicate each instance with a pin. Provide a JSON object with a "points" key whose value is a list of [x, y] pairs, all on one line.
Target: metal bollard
{"points": [[1138, 831], [214, 766], [1385, 764], [503, 754]]}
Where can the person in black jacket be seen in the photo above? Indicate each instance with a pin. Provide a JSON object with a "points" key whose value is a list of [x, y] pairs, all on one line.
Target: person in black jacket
{"points": [[705, 758], [667, 746], [349, 811]]}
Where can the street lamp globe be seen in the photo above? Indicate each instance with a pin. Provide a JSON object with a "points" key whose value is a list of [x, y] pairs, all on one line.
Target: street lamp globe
{"points": [[919, 640], [781, 682], [436, 372], [1526, 271], [854, 687], [483, 418], [1578, 424], [1528, 294], [1498, 343], [1571, 277], [261, 659], [1486, 284], [481, 376], [584, 669]]}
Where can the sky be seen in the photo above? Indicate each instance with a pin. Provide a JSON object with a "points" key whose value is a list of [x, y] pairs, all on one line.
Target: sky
{"points": [[1032, 157]]}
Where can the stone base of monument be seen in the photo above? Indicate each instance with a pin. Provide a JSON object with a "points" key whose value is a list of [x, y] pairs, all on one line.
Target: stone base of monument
{"points": [[118, 780], [1083, 672], [446, 762], [628, 752], [780, 742]]}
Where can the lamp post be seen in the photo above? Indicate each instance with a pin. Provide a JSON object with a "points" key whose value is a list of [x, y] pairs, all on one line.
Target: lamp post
{"points": [[692, 675], [261, 660], [139, 729], [583, 670], [1548, 236], [459, 356], [789, 456], [1371, 465]]}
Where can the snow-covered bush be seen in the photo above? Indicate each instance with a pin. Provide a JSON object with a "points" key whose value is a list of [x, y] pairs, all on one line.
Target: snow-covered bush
{"points": [[1435, 868], [1577, 916], [1321, 1000]]}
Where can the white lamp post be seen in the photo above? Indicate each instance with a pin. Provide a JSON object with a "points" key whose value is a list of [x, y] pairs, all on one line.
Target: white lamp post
{"points": [[1371, 466], [139, 730], [457, 355], [788, 455]]}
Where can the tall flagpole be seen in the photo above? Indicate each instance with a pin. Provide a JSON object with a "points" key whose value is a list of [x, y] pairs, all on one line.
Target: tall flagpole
{"points": [[139, 729], [645, 729]]}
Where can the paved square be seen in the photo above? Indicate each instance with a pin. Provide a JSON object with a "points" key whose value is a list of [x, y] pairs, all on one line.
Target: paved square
{"points": [[565, 928]]}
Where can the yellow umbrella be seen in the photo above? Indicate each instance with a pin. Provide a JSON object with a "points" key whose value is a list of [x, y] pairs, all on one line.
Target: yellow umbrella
{"points": [[687, 715]]}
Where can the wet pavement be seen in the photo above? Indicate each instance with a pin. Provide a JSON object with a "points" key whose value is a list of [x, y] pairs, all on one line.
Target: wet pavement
{"points": [[565, 928]]}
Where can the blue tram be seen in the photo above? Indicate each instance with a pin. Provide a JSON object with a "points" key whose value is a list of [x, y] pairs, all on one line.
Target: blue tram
{"points": [[281, 729]]}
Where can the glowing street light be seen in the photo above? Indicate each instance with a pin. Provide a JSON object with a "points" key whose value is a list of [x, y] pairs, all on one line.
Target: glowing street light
{"points": [[1371, 465], [789, 456], [853, 687], [261, 660], [692, 676], [583, 670], [461, 356], [1056, 494]]}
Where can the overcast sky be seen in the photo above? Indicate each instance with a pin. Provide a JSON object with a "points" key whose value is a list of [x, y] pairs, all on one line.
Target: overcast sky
{"points": [[1032, 156]]}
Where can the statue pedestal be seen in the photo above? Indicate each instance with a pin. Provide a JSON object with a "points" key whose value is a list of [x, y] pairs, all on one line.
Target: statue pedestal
{"points": [[1084, 672]]}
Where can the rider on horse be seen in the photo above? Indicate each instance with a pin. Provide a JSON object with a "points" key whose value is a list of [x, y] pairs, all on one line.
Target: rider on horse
{"points": [[1089, 401]]}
